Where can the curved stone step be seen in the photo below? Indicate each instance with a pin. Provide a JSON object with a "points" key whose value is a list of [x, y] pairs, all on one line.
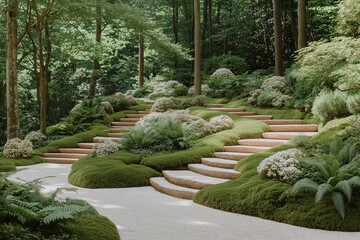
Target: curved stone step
{"points": [[86, 145], [283, 121], [135, 115], [123, 123], [64, 155], [214, 171], [119, 130], [144, 112], [75, 150], [231, 155], [115, 135], [216, 105], [191, 179], [294, 128], [219, 162], [227, 109], [129, 119], [287, 135], [160, 184], [259, 117], [242, 114], [102, 139], [261, 142], [245, 149], [61, 160]]}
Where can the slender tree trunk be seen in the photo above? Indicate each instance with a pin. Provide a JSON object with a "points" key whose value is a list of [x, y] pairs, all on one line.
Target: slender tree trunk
{"points": [[197, 47], [2, 94], [37, 78], [175, 6], [279, 71], [96, 64], [47, 65], [13, 125], [302, 24], [211, 54], [190, 29], [141, 61], [293, 22]]}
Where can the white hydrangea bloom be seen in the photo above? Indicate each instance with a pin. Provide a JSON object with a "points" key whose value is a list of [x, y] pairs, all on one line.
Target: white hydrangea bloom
{"points": [[281, 101], [162, 105], [222, 73], [274, 84], [221, 123], [107, 107], [127, 96], [205, 90], [15, 148], [282, 165], [35, 136], [254, 96], [105, 148]]}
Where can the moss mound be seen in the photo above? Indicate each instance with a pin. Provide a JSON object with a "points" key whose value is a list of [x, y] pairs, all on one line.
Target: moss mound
{"points": [[93, 227], [267, 199], [117, 170], [9, 164]]}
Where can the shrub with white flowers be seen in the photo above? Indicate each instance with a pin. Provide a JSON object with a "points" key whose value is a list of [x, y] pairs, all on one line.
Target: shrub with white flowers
{"points": [[281, 166], [274, 84], [254, 95], [107, 107], [76, 108], [165, 88], [105, 148], [129, 92], [281, 101], [16, 148], [222, 73], [127, 96], [35, 136], [205, 90], [163, 104], [221, 123]]}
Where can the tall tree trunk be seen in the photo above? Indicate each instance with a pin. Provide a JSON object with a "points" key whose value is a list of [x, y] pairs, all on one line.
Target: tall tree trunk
{"points": [[226, 40], [197, 47], [279, 70], [47, 65], [2, 94], [141, 61], [96, 64], [175, 7], [13, 125], [302, 24], [211, 54], [204, 26], [293, 22], [190, 28]]}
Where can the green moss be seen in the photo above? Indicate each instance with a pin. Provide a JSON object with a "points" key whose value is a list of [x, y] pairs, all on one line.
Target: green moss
{"points": [[117, 170], [93, 227], [9, 164], [141, 107], [267, 199], [216, 100], [117, 116]]}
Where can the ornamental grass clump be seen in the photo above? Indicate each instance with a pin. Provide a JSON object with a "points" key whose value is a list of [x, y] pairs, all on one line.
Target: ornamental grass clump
{"points": [[17, 148], [281, 166], [105, 148], [35, 136]]}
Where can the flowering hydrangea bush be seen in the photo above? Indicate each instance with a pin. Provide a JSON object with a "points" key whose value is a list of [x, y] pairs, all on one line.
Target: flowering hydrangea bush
{"points": [[281, 166], [163, 104], [274, 84], [127, 96], [222, 73], [83, 90], [15, 148], [107, 107], [205, 90], [281, 101], [254, 95], [221, 123], [35, 136], [165, 88], [105, 148]]}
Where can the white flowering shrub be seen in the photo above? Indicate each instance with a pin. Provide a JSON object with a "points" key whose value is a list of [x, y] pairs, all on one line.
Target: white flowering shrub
{"points": [[77, 108], [165, 89], [221, 123], [163, 104], [274, 84], [127, 96], [83, 90], [105, 148], [205, 90], [281, 101], [222, 73], [107, 107], [172, 85], [16, 148], [254, 95], [35, 136], [281, 166], [129, 92]]}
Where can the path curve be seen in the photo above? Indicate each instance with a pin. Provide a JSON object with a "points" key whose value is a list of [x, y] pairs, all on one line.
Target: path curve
{"points": [[145, 214]]}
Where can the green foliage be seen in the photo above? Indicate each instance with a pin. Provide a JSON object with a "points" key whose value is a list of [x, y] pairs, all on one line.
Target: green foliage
{"points": [[142, 92], [349, 18], [118, 104], [353, 104], [179, 92], [236, 64], [229, 87], [7, 164], [268, 98]]}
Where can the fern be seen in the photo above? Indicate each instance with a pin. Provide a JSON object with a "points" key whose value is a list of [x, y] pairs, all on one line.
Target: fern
{"points": [[62, 212], [305, 186], [338, 200]]}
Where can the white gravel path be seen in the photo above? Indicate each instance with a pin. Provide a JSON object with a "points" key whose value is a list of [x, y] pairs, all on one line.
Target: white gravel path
{"points": [[145, 214]]}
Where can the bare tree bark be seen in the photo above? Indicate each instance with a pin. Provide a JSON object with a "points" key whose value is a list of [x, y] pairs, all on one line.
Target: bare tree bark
{"points": [[47, 64], [279, 69], [175, 7], [141, 61], [197, 47], [13, 125], [211, 54], [293, 22], [302, 42], [2, 94]]}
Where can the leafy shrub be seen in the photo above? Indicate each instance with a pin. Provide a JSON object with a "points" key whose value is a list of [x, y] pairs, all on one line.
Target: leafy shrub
{"points": [[178, 92], [274, 84], [349, 18], [268, 98], [117, 103], [15, 148], [235, 64], [281, 166], [222, 73], [330, 105], [164, 104], [199, 100], [35, 136], [281, 101], [76, 108], [221, 123], [105, 148], [228, 87], [353, 104], [205, 90], [142, 92], [254, 95], [165, 88], [107, 107]]}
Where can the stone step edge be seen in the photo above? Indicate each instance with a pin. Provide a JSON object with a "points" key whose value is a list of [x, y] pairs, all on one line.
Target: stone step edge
{"points": [[172, 189]]}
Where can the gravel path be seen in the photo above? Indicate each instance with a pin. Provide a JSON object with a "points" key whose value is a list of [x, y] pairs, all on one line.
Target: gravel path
{"points": [[145, 214]]}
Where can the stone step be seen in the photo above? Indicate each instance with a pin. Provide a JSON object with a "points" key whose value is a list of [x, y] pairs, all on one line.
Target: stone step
{"points": [[283, 121], [228, 109], [191, 179], [287, 135], [102, 139], [231, 155], [86, 145], [119, 130], [214, 171], [150, 103], [123, 123], [216, 105], [261, 142], [245, 149], [259, 117], [219, 162], [162, 185], [116, 135], [61, 160], [129, 119], [294, 128], [243, 113], [144, 112], [75, 150], [64, 155], [135, 115]]}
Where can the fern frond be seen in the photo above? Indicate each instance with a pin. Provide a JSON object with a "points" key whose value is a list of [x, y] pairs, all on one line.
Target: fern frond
{"points": [[322, 190], [53, 195], [354, 181], [338, 201], [58, 213], [305, 186], [345, 187]]}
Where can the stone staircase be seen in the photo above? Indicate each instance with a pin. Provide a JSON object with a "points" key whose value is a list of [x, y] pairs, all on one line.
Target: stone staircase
{"points": [[186, 183]]}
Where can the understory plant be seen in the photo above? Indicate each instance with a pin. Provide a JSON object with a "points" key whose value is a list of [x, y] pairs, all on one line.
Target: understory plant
{"points": [[105, 148], [164, 104], [17, 148]]}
